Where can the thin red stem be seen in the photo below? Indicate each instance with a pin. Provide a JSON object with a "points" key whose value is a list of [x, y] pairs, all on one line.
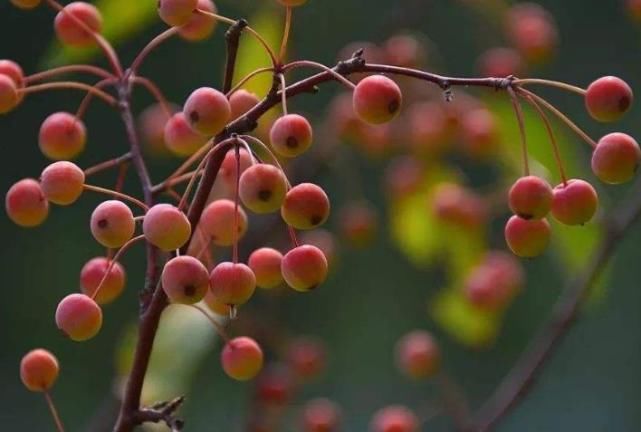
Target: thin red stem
{"points": [[81, 68], [155, 92], [521, 122], [54, 412], [112, 163], [283, 45], [113, 261], [217, 326], [117, 194], [153, 44], [66, 85], [84, 104]]}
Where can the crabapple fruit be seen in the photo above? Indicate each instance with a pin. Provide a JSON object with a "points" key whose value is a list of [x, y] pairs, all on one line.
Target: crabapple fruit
{"points": [[242, 358], [62, 182], [306, 206], [527, 238], [394, 418], [616, 158], [26, 4], [377, 99], [232, 283], [94, 272], [39, 370], [228, 168], [219, 219], [62, 136], [240, 102], [321, 415], [608, 98], [112, 223], [306, 357], [262, 188], [176, 12], [358, 223], [9, 97], [418, 355], [180, 138], [265, 263], [530, 197], [199, 26], [185, 280], [575, 202], [70, 31], [291, 135], [166, 227], [304, 268], [79, 317], [207, 111], [26, 203]]}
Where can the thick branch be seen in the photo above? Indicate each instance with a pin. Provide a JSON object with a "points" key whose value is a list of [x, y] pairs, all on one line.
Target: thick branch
{"points": [[232, 37]]}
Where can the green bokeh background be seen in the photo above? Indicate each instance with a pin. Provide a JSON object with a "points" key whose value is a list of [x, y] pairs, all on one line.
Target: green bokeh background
{"points": [[592, 383]]}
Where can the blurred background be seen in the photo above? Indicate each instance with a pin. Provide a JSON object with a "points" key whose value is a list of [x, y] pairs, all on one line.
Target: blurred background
{"points": [[407, 277]]}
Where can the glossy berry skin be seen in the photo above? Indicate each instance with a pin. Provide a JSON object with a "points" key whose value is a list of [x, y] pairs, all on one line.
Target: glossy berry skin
{"points": [[306, 206], [306, 357], [62, 182], [608, 99], [13, 71], [242, 358], [79, 317], [417, 355], [176, 12], [527, 238], [26, 204], [219, 219], [93, 273], [39, 370], [70, 32], [228, 168], [185, 280], [493, 283], [242, 101], [180, 138], [232, 283], [216, 306], [199, 27], [9, 98], [263, 188], [291, 135], [304, 268], [394, 418], [377, 99], [574, 203], [62, 136], [530, 197], [616, 158], [265, 263], [321, 415], [166, 227], [26, 4], [207, 110], [112, 224]]}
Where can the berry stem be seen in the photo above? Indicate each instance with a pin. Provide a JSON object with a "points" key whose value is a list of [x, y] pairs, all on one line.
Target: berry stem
{"points": [[271, 154], [293, 237], [84, 104], [54, 412], [516, 104], [313, 64], [122, 175], [236, 199], [283, 92], [70, 85], [217, 326], [153, 89], [116, 194], [286, 31], [249, 76], [112, 163], [52, 73], [153, 44], [550, 83], [113, 261]]}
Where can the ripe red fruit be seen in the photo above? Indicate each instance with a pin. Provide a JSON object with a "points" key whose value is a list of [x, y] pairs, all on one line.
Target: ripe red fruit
{"points": [[166, 227], [377, 99], [291, 135], [533, 31], [324, 240], [242, 358], [480, 134], [404, 51], [70, 32], [453, 204], [79, 317], [216, 306], [62, 182], [26, 204], [152, 122], [274, 386], [418, 355], [219, 219], [608, 98], [321, 415], [263, 188], [93, 273], [207, 111], [228, 171], [527, 238], [180, 138], [13, 71], [493, 283], [232, 283], [9, 97], [304, 268], [306, 206], [62, 136], [265, 263], [176, 12], [199, 26], [26, 4], [530, 197], [185, 280], [574, 203], [306, 357], [242, 101], [394, 418], [616, 158], [112, 224], [39, 370], [500, 62], [358, 223]]}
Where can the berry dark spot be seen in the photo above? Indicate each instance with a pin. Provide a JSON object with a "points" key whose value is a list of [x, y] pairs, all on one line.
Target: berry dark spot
{"points": [[291, 142], [525, 216], [103, 223], [264, 195], [189, 290], [315, 220], [393, 106], [194, 117]]}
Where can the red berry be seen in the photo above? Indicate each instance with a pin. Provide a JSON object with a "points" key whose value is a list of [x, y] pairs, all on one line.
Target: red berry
{"points": [[458, 206], [291, 135], [304, 268], [199, 26], [394, 418], [263, 188], [265, 263], [608, 98], [494, 282], [13, 71], [152, 122], [321, 415], [112, 224], [306, 206], [616, 158], [62, 182], [242, 101], [216, 306], [93, 273], [533, 31], [219, 219], [500, 62], [575, 202], [377, 99], [358, 223], [232, 283], [39, 370], [418, 355], [181, 138], [228, 171], [306, 357], [176, 12], [9, 97], [324, 240], [185, 280], [404, 51], [26, 4], [70, 32], [166, 227], [480, 134], [26, 204], [274, 386], [530, 197], [62, 136], [242, 358], [527, 238], [79, 317], [207, 111]]}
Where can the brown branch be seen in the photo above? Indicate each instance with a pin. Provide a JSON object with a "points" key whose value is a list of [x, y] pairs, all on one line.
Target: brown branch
{"points": [[232, 38]]}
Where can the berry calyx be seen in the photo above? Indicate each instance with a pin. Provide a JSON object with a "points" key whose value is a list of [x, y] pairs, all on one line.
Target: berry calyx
{"points": [[417, 355], [180, 138], [199, 26], [616, 158], [62, 182], [263, 188], [176, 12], [291, 135], [93, 273], [530, 197], [377, 99], [527, 238], [306, 206], [265, 263], [39, 370], [575, 202], [62, 136], [608, 99], [394, 418], [242, 358], [185, 280], [112, 223], [79, 317], [166, 227], [9, 98], [304, 268], [70, 32], [26, 204], [219, 219], [232, 283], [207, 111]]}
